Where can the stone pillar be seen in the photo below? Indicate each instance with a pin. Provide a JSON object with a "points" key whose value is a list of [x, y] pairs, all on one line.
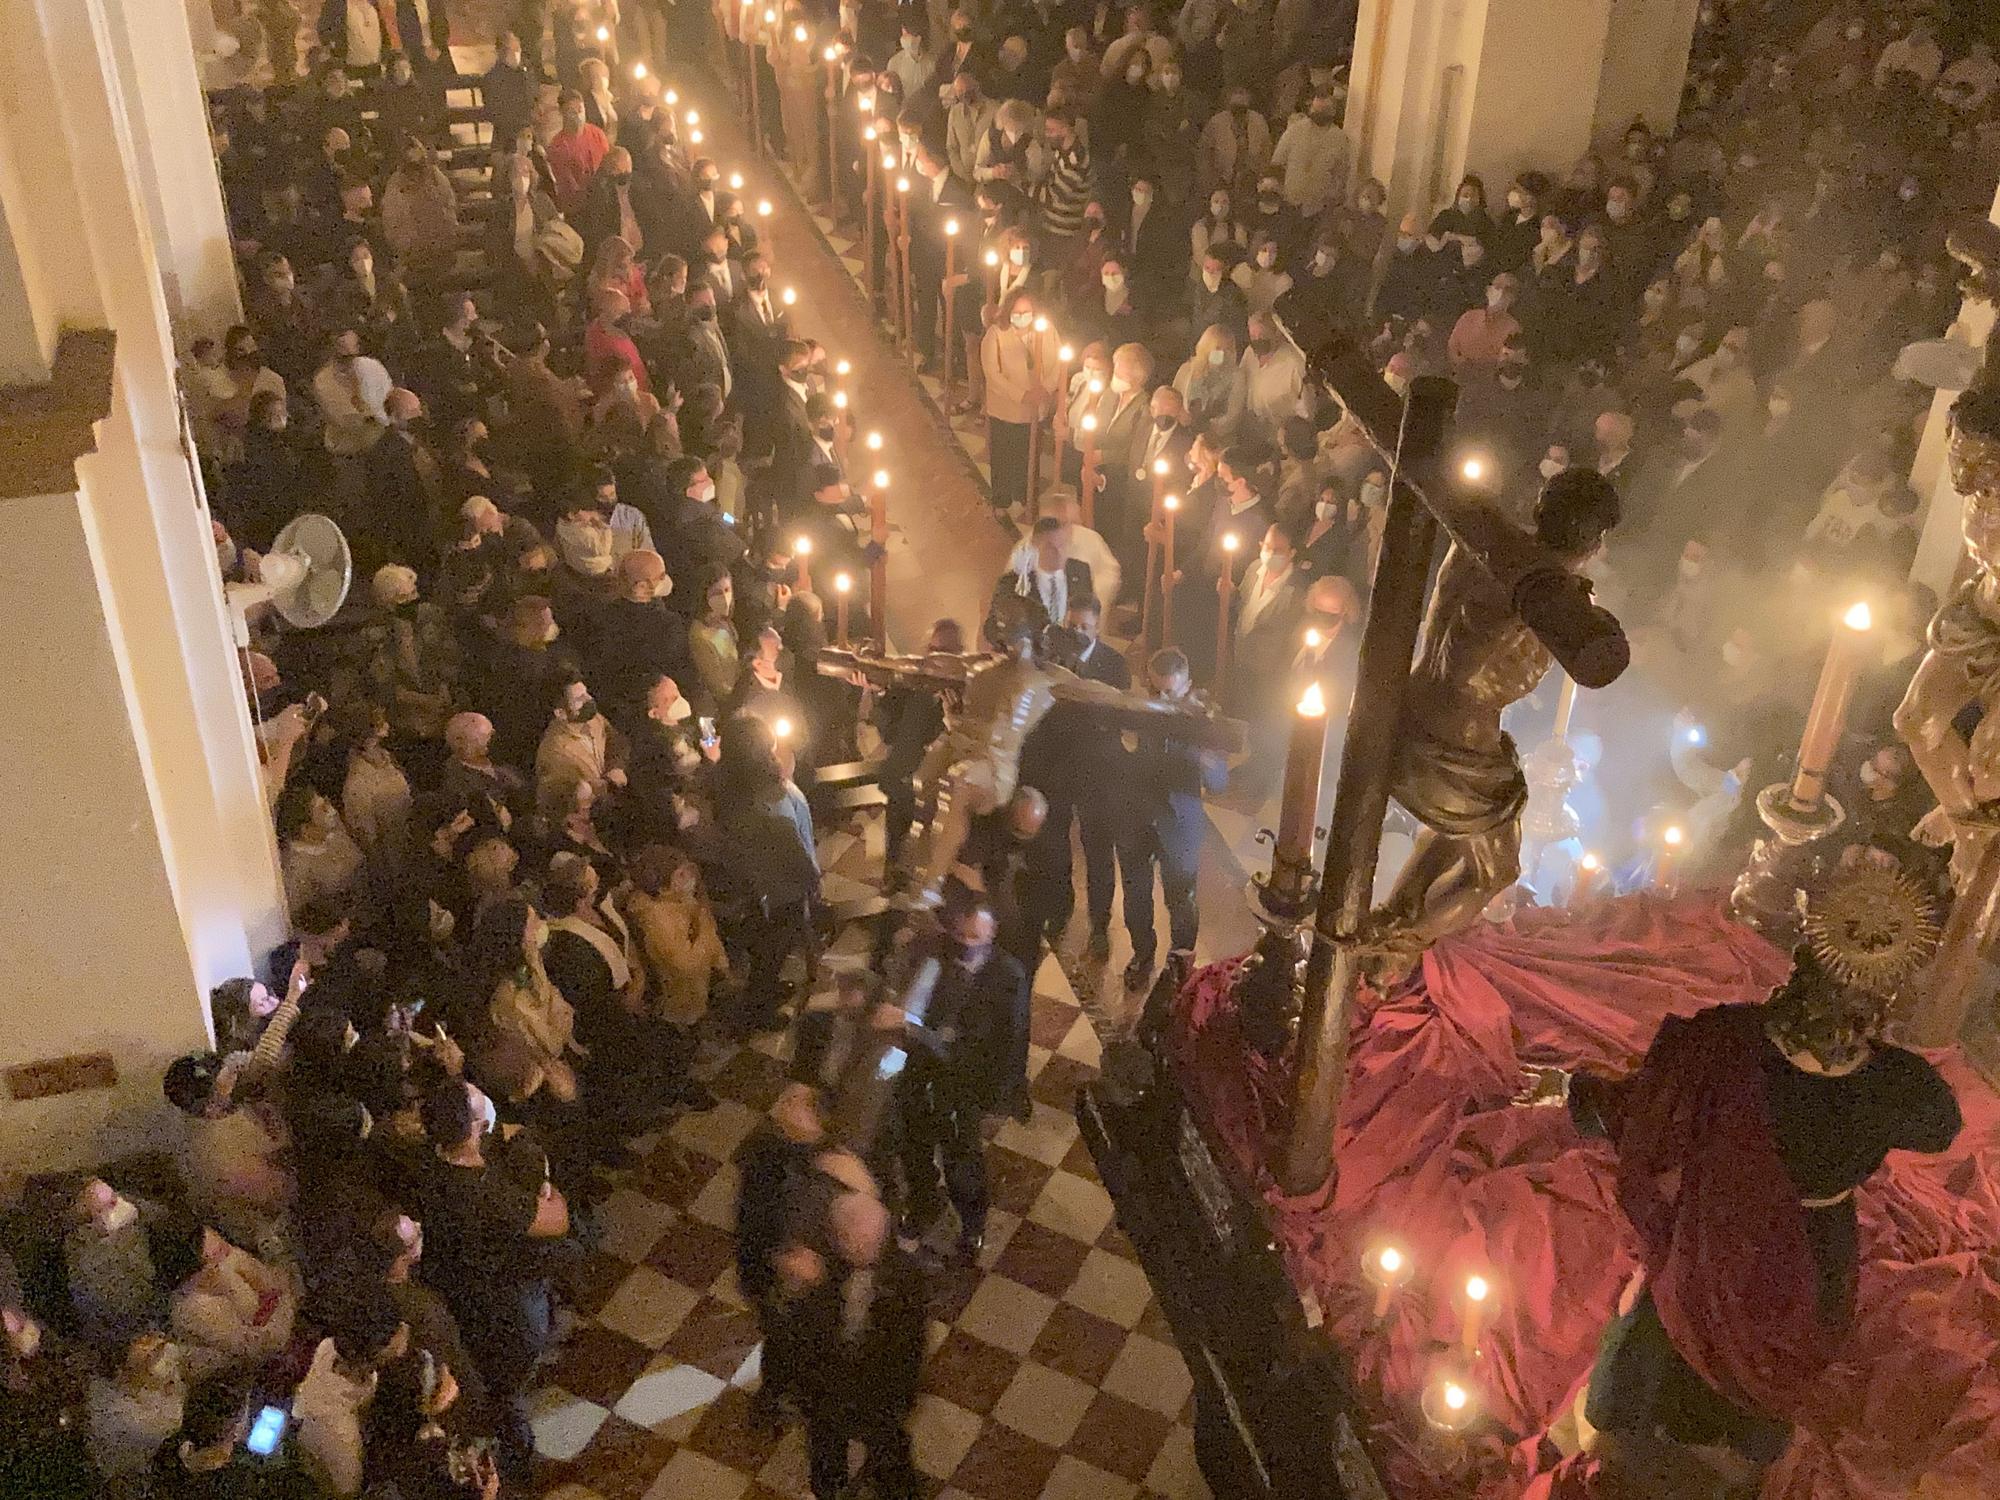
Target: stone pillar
{"points": [[1645, 66], [160, 86], [137, 868], [1442, 88]]}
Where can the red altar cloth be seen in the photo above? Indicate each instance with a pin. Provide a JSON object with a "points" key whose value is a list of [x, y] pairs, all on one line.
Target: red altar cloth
{"points": [[1432, 1154]]}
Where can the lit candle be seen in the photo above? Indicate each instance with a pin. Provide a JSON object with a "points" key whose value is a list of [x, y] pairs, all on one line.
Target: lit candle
{"points": [[843, 368], [604, 33], [949, 293], [1474, 469], [673, 97], [1671, 839], [789, 296], [843, 585], [694, 137], [878, 535], [1087, 476], [840, 401], [1588, 871], [1386, 1268], [1299, 805], [1225, 589], [1450, 1401], [763, 208], [735, 182], [1170, 507], [802, 547], [781, 728], [1828, 715], [875, 446], [693, 117], [1477, 1290], [799, 36], [638, 70]]}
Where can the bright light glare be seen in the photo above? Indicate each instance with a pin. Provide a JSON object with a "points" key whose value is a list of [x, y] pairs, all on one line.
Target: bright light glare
{"points": [[1313, 704], [1476, 1289], [802, 546], [781, 728], [881, 479], [1859, 616], [1390, 1260], [1231, 541], [1313, 640], [874, 442], [842, 583], [1455, 1396], [1171, 503], [1473, 469], [1673, 837]]}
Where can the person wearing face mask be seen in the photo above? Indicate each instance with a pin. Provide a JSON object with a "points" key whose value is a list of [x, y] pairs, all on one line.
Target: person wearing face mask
{"points": [[1167, 825], [1517, 230], [1313, 156], [968, 1060], [1466, 217], [1481, 335], [1210, 382], [352, 390], [1065, 178], [1335, 541], [1118, 112], [969, 116], [1215, 298], [1124, 422], [1260, 276], [1264, 637], [420, 215], [1151, 242], [1274, 375], [914, 65], [700, 353], [1082, 268], [1235, 146], [1218, 229], [1020, 367], [1411, 278], [1576, 315], [575, 153]]}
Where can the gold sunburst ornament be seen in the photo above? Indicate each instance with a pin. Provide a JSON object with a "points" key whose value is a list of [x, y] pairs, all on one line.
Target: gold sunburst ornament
{"points": [[1872, 927]]}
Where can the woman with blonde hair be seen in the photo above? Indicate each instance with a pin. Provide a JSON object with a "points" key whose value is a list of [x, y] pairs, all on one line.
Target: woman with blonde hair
{"points": [[618, 268], [1211, 381], [676, 929], [1021, 366]]}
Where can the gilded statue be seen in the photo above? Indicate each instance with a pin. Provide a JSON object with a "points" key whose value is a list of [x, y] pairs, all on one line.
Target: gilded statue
{"points": [[1962, 666], [1457, 772], [994, 702]]}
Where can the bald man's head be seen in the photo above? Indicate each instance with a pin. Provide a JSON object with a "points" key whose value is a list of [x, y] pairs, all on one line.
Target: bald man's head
{"points": [[642, 576]]}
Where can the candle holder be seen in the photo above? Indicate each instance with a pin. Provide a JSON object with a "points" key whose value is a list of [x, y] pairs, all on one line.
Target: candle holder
{"points": [[1790, 856], [1386, 1268]]}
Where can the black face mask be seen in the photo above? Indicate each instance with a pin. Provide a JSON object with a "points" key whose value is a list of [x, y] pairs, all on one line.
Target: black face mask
{"points": [[757, 279], [619, 179], [1263, 346], [1164, 421], [585, 712], [824, 433], [705, 313]]}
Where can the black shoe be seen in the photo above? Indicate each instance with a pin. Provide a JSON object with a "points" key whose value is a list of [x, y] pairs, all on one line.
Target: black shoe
{"points": [[1099, 947], [1138, 973], [966, 1251]]}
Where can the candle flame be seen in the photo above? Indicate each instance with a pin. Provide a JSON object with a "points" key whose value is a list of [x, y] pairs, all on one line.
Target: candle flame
{"points": [[802, 546], [1476, 1289], [781, 729], [1313, 704], [840, 401], [673, 97], [842, 583], [1473, 469], [693, 117], [1455, 1395], [874, 442], [881, 479], [902, 184], [638, 70], [951, 226], [830, 54], [888, 162], [1313, 639], [798, 33], [1390, 1260], [694, 137], [992, 257], [1160, 466], [1090, 421], [1859, 616], [1096, 386], [1231, 541], [1171, 502], [1066, 354], [1041, 325], [604, 33], [770, 18], [1673, 836], [868, 133], [789, 296], [735, 182], [842, 367], [763, 208], [1592, 862]]}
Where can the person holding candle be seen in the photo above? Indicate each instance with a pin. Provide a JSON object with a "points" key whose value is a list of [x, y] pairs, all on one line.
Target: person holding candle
{"points": [[1019, 364], [1270, 607]]}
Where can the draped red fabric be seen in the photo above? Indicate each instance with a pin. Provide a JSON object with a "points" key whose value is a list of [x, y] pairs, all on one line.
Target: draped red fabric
{"points": [[1721, 1233], [1432, 1155]]}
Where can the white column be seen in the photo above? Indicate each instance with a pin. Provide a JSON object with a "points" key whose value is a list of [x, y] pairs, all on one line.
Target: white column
{"points": [[1942, 542], [146, 870], [161, 87], [1442, 88], [1645, 66]]}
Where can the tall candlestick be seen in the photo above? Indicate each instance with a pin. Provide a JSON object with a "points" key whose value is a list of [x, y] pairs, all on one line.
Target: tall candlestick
{"points": [[1225, 590], [1170, 507], [878, 567], [1086, 485], [1828, 715], [1298, 808], [868, 200], [1150, 594], [756, 100], [950, 295], [843, 427], [1477, 1290], [832, 59], [1059, 422], [1565, 706], [843, 585], [903, 251]]}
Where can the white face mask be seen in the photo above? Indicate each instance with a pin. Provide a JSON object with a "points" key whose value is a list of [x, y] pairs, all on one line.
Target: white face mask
{"points": [[1268, 558], [1267, 258], [1551, 467], [1113, 283], [1496, 300], [1023, 320], [488, 1114], [704, 492], [1212, 280], [1371, 493], [1689, 568], [1323, 261], [123, 1215], [1326, 510], [1216, 356], [1120, 384], [1018, 256]]}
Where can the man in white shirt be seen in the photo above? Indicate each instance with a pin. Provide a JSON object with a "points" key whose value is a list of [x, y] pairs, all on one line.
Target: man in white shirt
{"points": [[1313, 156], [352, 390], [1274, 375], [1086, 545]]}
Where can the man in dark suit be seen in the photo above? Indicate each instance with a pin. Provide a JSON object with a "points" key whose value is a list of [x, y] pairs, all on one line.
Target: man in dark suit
{"points": [[789, 434], [1169, 775], [936, 199], [1124, 420], [1044, 577], [1264, 638], [423, 27], [1156, 249], [967, 1060], [1077, 763], [626, 642], [699, 353], [402, 515]]}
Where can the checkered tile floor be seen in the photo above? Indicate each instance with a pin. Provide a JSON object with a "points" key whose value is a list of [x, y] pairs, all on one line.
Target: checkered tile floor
{"points": [[1052, 1376]]}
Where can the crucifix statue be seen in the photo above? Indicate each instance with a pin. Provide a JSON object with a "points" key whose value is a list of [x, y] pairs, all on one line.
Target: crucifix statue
{"points": [[1960, 670], [973, 767], [1507, 604]]}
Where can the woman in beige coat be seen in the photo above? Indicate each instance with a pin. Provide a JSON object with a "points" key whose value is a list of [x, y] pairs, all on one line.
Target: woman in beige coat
{"points": [[533, 1025], [1021, 364]]}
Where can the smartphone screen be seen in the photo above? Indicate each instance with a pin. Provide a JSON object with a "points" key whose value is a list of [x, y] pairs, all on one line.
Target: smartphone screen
{"points": [[892, 1063], [266, 1431]]}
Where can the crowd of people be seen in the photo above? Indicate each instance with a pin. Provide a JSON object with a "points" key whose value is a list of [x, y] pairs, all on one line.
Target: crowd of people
{"points": [[542, 789]]}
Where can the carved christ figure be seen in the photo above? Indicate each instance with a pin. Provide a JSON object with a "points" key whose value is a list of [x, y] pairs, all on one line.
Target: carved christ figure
{"points": [[974, 765], [1456, 771], [1962, 666]]}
